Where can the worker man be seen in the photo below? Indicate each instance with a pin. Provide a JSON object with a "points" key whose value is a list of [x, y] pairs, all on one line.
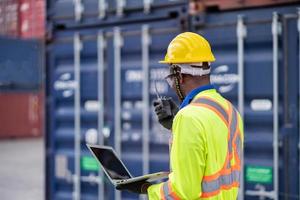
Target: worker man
{"points": [[207, 131]]}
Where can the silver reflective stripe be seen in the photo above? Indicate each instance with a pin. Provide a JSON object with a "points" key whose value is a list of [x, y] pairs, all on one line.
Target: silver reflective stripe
{"points": [[214, 105], [233, 126], [238, 143], [167, 193], [234, 176], [223, 180]]}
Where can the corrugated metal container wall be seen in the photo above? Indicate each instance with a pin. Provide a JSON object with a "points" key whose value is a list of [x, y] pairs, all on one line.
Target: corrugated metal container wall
{"points": [[69, 13], [9, 17], [21, 65], [256, 69], [98, 81], [21, 92], [109, 70], [22, 114]]}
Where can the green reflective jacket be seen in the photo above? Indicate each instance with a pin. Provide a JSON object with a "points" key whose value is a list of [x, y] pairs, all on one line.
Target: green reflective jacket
{"points": [[206, 152]]}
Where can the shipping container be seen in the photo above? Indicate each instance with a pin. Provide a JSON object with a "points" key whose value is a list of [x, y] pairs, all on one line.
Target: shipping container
{"points": [[22, 64], [101, 82], [21, 114], [257, 62], [32, 19], [21, 88], [9, 17], [23, 18], [109, 70], [69, 14], [197, 6]]}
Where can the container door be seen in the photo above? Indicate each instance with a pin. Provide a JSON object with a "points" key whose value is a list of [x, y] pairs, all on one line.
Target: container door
{"points": [[249, 72], [77, 115], [289, 185], [134, 53]]}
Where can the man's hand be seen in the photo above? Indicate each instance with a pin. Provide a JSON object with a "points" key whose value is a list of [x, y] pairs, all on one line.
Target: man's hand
{"points": [[165, 110], [139, 187]]}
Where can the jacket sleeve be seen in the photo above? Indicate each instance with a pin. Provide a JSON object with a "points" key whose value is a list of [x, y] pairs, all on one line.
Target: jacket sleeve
{"points": [[188, 155]]}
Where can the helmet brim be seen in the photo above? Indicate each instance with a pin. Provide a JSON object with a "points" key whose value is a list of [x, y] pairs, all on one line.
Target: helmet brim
{"points": [[183, 62]]}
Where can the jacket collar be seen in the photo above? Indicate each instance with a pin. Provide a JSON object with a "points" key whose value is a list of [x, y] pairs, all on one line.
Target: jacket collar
{"points": [[193, 93]]}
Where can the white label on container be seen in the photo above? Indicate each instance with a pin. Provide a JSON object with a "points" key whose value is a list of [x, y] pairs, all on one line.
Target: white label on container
{"points": [[126, 115], [92, 106], [91, 136], [159, 73], [65, 76], [67, 93], [261, 104], [61, 166], [226, 80], [64, 82], [127, 105], [133, 76], [64, 85], [162, 87], [24, 7], [135, 136], [136, 75], [139, 105], [106, 132]]}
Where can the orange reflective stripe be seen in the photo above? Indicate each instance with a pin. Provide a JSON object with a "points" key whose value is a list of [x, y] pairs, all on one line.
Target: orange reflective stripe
{"points": [[167, 192], [162, 193], [214, 106], [213, 109], [215, 176], [224, 169], [172, 193]]}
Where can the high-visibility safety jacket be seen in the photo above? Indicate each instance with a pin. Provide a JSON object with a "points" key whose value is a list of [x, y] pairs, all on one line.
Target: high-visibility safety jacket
{"points": [[206, 152]]}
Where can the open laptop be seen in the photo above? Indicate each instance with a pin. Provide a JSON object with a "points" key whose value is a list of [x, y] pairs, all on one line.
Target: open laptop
{"points": [[115, 169]]}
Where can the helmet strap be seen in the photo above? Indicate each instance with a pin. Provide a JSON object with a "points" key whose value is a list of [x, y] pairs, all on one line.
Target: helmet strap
{"points": [[177, 73]]}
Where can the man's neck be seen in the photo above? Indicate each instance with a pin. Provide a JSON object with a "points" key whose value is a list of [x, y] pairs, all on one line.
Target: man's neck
{"points": [[194, 85]]}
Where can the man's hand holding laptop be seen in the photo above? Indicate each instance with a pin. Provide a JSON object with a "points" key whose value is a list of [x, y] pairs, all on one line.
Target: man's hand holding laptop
{"points": [[139, 187]]}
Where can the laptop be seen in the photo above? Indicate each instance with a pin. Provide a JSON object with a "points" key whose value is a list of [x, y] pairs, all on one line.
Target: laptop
{"points": [[115, 169]]}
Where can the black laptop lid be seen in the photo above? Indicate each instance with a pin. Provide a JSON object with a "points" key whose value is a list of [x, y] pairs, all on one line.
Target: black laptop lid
{"points": [[111, 163]]}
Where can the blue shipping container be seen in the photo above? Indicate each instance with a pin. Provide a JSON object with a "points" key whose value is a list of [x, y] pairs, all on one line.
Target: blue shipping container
{"points": [[256, 68], [110, 65], [22, 64]]}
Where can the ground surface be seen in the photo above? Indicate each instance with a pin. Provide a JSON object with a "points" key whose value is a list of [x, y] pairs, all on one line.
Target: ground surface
{"points": [[21, 169]]}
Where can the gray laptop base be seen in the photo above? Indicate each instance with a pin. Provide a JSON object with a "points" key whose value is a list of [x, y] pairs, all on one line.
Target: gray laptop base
{"points": [[115, 169]]}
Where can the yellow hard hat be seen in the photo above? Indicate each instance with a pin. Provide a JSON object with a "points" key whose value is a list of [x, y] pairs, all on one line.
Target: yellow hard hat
{"points": [[188, 47]]}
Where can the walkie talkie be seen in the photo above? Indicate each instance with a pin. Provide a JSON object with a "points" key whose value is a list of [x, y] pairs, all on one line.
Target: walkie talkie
{"points": [[164, 101]]}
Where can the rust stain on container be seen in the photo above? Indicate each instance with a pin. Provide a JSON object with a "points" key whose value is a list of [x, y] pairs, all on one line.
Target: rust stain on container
{"points": [[218, 5], [21, 114]]}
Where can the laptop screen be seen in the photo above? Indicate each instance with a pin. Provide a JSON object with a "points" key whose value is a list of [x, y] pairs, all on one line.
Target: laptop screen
{"points": [[111, 163]]}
